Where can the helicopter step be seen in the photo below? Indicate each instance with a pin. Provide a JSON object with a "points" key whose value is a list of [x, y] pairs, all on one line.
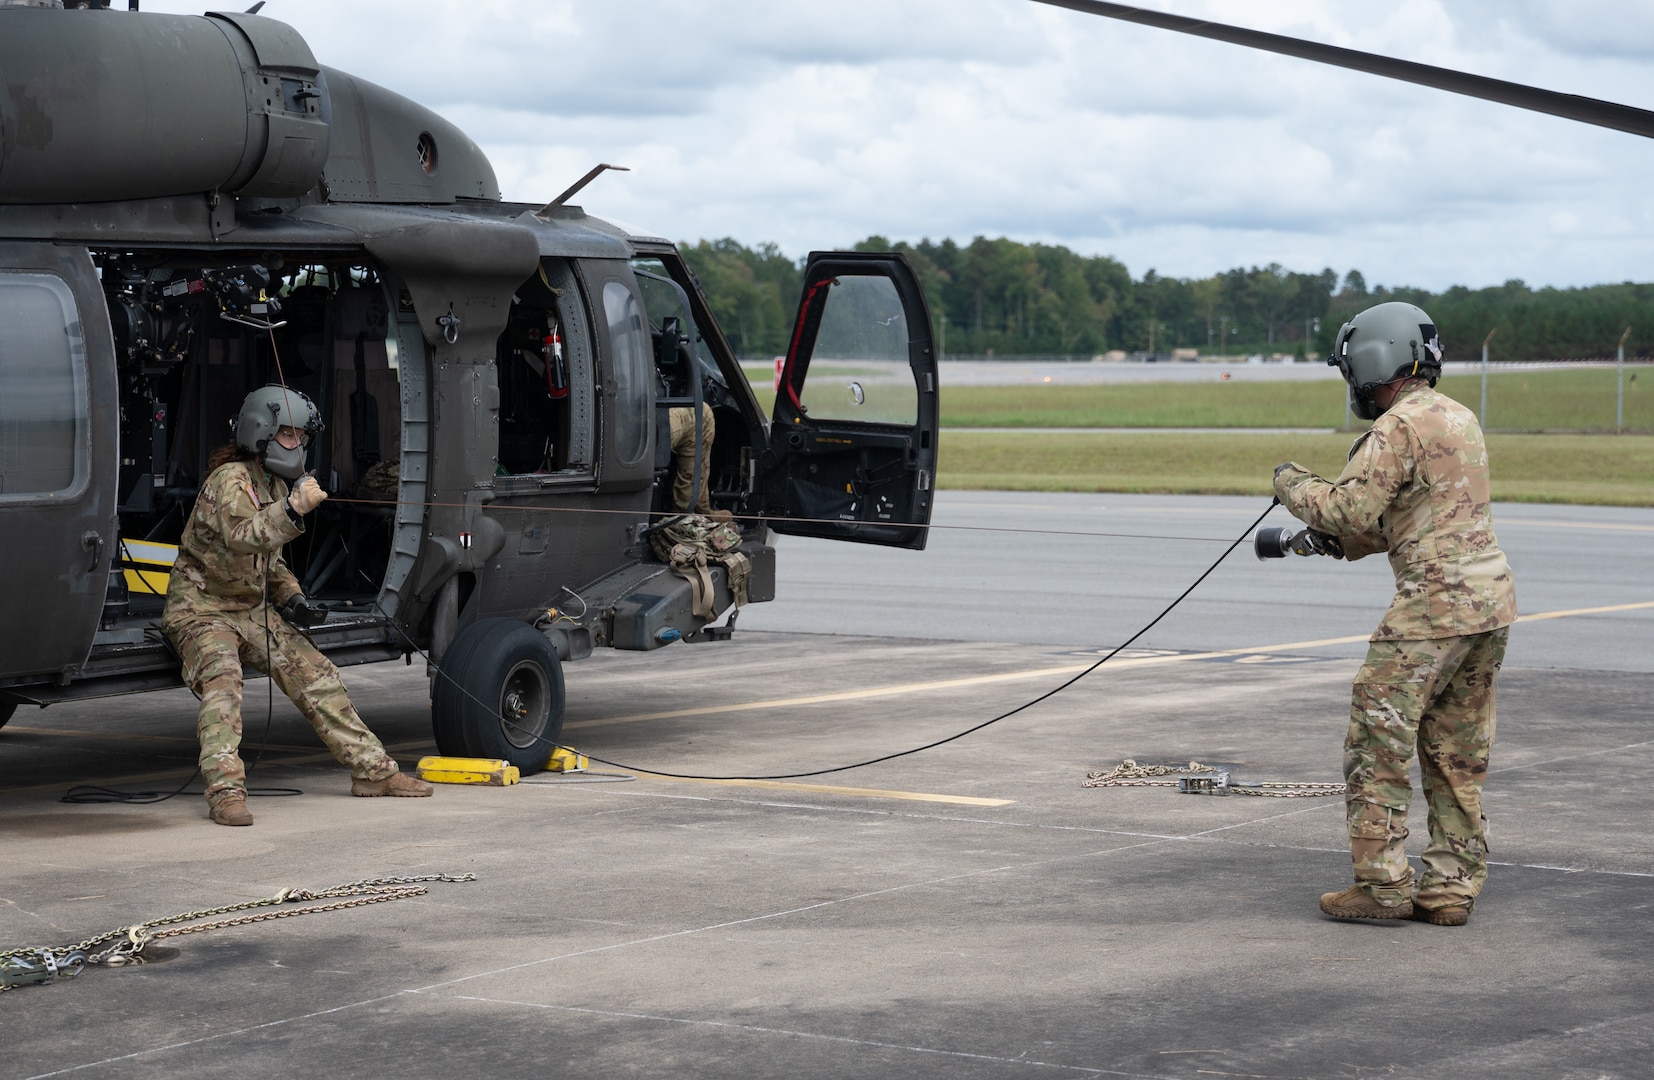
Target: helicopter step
{"points": [[134, 658], [647, 605]]}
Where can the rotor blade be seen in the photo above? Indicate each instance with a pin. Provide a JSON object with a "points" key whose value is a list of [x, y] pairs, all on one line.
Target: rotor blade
{"points": [[1569, 106]]}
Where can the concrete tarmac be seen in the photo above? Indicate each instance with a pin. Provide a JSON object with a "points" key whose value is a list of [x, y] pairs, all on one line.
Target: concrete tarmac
{"points": [[969, 911]]}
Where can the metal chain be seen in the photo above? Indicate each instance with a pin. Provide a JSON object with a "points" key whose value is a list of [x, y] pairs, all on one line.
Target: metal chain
{"points": [[1281, 789], [1130, 774], [44, 964]]}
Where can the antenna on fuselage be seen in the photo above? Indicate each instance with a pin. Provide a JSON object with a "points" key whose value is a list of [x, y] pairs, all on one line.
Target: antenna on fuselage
{"points": [[575, 188]]}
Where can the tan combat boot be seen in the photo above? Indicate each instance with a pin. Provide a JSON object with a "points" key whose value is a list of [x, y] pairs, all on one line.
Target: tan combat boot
{"points": [[1453, 915], [1354, 903], [397, 783], [229, 807]]}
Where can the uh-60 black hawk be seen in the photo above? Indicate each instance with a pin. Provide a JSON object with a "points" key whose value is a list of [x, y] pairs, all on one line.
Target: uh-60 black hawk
{"points": [[191, 208]]}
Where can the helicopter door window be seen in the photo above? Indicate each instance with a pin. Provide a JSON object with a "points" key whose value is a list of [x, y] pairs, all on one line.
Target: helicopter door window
{"points": [[859, 368], [629, 348], [43, 405]]}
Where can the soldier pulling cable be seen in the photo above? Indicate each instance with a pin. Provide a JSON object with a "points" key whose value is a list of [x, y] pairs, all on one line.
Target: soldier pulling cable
{"points": [[1416, 486], [229, 573]]}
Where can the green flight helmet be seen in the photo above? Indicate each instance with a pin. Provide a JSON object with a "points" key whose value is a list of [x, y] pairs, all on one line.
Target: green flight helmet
{"points": [[1382, 344], [266, 411]]}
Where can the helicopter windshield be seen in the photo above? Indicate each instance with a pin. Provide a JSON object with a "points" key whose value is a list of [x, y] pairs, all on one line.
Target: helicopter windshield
{"points": [[664, 298]]}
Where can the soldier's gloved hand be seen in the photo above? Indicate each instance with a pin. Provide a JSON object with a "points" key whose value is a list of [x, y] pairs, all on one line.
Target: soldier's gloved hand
{"points": [[301, 612], [1312, 542], [306, 495], [1325, 544]]}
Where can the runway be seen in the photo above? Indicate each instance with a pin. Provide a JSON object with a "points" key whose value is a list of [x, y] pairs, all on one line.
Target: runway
{"points": [[1072, 569], [969, 911]]}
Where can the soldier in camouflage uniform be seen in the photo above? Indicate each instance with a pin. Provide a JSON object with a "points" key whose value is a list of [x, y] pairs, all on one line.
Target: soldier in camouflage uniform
{"points": [[682, 424], [1416, 487], [232, 601]]}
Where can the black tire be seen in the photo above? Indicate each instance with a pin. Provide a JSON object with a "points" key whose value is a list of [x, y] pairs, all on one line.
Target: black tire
{"points": [[500, 695], [447, 697], [9, 707]]}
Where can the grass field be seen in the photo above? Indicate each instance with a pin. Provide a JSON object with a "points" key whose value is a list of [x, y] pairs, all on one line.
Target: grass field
{"points": [[1613, 470], [1601, 469], [1581, 400]]}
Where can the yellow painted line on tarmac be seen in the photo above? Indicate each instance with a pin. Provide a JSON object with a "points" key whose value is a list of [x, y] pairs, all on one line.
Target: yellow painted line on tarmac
{"points": [[831, 789], [824, 699], [900, 689], [1534, 523], [1539, 616], [313, 756]]}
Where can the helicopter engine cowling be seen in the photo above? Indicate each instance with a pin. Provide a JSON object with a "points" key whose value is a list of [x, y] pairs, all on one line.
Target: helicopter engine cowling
{"points": [[103, 106]]}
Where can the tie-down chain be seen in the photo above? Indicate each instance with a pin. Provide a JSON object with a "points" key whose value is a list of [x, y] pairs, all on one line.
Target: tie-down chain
{"points": [[1198, 779], [21, 967]]}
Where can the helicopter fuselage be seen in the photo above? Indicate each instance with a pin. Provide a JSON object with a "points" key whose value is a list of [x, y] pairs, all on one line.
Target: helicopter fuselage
{"points": [[192, 207]]}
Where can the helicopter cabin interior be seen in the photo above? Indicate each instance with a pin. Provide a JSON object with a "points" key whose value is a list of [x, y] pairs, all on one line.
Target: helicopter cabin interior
{"points": [[191, 340]]}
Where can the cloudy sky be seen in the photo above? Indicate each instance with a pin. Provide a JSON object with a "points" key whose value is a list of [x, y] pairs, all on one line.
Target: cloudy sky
{"points": [[814, 125]]}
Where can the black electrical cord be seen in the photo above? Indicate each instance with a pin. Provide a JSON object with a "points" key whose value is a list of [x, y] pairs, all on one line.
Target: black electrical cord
{"points": [[886, 757]]}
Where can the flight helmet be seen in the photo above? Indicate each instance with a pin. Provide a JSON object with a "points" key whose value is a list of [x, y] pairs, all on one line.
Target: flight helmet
{"points": [[1382, 344], [267, 410]]}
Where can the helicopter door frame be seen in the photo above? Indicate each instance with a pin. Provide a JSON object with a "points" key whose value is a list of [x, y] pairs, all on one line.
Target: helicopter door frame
{"points": [[852, 449], [58, 456]]}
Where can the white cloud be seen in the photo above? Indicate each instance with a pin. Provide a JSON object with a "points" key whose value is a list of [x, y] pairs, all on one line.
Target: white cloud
{"points": [[816, 125]]}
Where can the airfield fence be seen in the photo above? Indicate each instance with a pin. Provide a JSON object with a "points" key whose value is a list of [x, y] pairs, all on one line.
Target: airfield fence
{"points": [[1573, 396], [1585, 396]]}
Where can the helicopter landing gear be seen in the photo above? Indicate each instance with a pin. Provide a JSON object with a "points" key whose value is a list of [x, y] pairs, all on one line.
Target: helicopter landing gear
{"points": [[499, 695], [6, 709]]}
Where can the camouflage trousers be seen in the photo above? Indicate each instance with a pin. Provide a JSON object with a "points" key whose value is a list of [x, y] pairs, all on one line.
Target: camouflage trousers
{"points": [[1436, 696], [214, 647], [683, 456]]}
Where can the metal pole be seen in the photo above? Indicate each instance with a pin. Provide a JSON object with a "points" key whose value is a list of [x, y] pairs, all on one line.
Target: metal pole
{"points": [[1482, 416], [1619, 390]]}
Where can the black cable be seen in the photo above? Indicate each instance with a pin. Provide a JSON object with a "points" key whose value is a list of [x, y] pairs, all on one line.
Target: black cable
{"points": [[760, 518], [1002, 716], [887, 757], [269, 701], [92, 793]]}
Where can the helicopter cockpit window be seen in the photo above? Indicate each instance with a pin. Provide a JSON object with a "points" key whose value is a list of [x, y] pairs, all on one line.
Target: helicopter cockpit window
{"points": [[859, 368], [664, 298], [629, 340], [545, 379], [43, 405]]}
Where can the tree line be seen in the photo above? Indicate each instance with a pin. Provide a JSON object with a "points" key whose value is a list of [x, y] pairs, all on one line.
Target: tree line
{"points": [[1004, 297]]}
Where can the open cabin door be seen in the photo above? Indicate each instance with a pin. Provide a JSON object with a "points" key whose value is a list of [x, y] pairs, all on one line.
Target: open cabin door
{"points": [[58, 472], [852, 450]]}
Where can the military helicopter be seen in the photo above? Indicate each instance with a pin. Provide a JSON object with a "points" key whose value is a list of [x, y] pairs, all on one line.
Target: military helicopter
{"points": [[192, 207]]}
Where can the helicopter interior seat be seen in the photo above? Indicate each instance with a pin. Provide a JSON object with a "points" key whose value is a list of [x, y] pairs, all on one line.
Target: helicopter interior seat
{"points": [[722, 466], [364, 413]]}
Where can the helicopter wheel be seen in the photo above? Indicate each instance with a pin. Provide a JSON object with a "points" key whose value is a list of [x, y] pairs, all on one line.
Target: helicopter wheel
{"points": [[499, 695]]}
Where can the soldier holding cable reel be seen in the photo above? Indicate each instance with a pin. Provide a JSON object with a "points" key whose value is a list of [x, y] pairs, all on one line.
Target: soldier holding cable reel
{"points": [[1416, 487]]}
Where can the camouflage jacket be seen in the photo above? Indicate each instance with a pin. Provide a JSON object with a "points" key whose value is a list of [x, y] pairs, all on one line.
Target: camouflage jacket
{"points": [[1416, 486], [236, 531]]}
